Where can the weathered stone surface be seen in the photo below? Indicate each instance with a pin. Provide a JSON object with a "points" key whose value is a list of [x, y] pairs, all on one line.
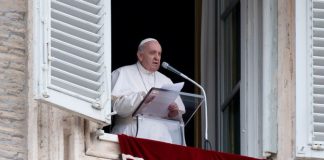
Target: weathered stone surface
{"points": [[14, 15], [13, 64], [18, 52], [13, 5], [3, 49]]}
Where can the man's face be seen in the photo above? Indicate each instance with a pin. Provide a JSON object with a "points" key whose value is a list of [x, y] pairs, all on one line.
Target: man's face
{"points": [[150, 56]]}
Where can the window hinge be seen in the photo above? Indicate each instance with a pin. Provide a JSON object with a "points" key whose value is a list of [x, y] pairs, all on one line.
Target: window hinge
{"points": [[318, 147], [96, 104], [50, 58], [111, 114], [45, 95], [108, 116]]}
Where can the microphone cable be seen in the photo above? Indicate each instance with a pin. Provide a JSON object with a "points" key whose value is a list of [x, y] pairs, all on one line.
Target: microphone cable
{"points": [[137, 121], [207, 145]]}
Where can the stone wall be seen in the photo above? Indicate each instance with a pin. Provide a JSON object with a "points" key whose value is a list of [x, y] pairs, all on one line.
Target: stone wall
{"points": [[13, 88], [286, 80]]}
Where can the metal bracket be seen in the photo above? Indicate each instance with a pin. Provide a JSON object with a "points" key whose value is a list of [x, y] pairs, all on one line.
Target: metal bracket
{"points": [[108, 117], [301, 150], [100, 132]]}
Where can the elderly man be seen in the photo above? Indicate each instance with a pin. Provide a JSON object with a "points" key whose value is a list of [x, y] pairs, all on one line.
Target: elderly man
{"points": [[129, 86]]}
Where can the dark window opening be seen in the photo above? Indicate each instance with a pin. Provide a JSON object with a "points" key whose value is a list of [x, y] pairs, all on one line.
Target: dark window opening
{"points": [[170, 22]]}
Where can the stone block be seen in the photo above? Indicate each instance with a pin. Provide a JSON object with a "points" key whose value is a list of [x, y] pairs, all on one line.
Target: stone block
{"points": [[13, 5]]}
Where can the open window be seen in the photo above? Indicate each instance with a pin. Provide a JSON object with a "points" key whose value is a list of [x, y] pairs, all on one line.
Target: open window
{"points": [[239, 77], [72, 56]]}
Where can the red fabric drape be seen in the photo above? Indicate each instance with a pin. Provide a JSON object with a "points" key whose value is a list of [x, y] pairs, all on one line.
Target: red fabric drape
{"points": [[155, 150]]}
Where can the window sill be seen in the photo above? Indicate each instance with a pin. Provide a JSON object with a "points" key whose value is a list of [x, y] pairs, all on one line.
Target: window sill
{"points": [[102, 145], [113, 138]]}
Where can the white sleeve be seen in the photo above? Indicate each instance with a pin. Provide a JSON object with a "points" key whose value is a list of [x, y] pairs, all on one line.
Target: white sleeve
{"points": [[180, 105], [124, 100], [125, 105]]}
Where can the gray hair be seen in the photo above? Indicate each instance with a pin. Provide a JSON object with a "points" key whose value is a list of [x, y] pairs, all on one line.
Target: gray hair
{"points": [[141, 45]]}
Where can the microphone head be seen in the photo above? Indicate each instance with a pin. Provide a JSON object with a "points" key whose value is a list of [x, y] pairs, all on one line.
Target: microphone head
{"points": [[165, 65]]}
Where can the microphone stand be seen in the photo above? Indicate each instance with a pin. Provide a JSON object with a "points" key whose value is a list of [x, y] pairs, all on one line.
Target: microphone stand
{"points": [[205, 105]]}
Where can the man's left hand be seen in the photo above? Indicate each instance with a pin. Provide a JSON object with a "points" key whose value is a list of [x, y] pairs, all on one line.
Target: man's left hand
{"points": [[173, 110]]}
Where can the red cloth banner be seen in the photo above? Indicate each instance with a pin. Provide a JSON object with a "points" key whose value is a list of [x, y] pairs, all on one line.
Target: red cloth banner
{"points": [[155, 150]]}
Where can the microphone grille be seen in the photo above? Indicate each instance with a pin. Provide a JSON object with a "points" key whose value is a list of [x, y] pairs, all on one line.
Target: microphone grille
{"points": [[165, 65]]}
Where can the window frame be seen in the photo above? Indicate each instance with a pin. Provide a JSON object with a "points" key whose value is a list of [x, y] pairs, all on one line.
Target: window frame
{"points": [[251, 78], [269, 76]]}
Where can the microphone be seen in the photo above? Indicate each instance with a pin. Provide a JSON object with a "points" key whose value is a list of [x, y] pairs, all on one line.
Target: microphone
{"points": [[170, 68]]}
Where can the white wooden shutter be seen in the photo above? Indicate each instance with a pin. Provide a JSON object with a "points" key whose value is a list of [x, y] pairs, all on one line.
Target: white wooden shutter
{"points": [[309, 79], [75, 58], [318, 75]]}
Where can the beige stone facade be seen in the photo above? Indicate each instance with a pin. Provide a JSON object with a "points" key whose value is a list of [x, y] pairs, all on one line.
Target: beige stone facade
{"points": [[32, 130], [29, 129], [13, 78]]}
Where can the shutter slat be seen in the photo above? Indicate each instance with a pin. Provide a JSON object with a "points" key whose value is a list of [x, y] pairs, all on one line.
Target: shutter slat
{"points": [[318, 4], [319, 127], [318, 136], [68, 38], [92, 1], [318, 108], [318, 117], [79, 32], [83, 72], [318, 60], [318, 98], [76, 12], [70, 58], [318, 22], [65, 85], [318, 80], [318, 51], [319, 89], [318, 70], [78, 80], [92, 56], [317, 41], [318, 13], [318, 32], [84, 5], [75, 21]]}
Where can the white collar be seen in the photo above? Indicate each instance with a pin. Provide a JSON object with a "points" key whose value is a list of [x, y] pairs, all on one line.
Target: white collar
{"points": [[142, 69]]}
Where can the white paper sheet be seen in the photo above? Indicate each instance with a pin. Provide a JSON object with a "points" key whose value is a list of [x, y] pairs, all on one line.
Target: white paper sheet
{"points": [[158, 101], [173, 87]]}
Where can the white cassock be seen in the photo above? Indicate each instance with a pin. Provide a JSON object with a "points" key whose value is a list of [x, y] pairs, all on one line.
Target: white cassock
{"points": [[129, 86]]}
